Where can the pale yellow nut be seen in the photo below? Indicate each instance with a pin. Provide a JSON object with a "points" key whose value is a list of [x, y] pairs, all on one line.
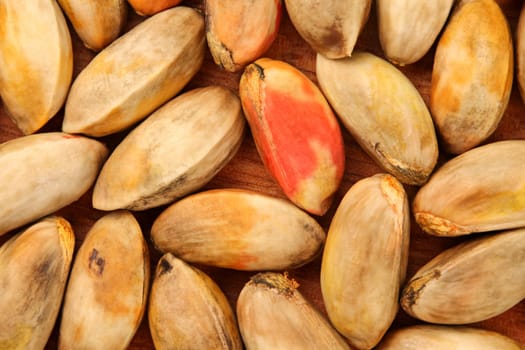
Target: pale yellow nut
{"points": [[34, 267], [480, 190], [408, 28], [384, 112], [330, 27], [273, 314], [98, 22], [135, 75], [176, 151], [446, 338], [36, 61], [470, 282], [238, 229], [106, 294], [365, 259], [43, 173], [187, 310]]}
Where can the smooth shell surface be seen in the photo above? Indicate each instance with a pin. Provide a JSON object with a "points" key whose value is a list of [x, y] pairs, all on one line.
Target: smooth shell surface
{"points": [[135, 75], [239, 32], [107, 291], [432, 337], [365, 259], [151, 7], [34, 267], [330, 27], [480, 190], [187, 310], [471, 282], [238, 229], [98, 22], [472, 75], [384, 112], [295, 131], [273, 314], [176, 151], [408, 28], [43, 173], [36, 61]]}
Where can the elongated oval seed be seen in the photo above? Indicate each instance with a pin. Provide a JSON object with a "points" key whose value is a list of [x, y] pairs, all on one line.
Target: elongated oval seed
{"points": [[140, 71], [107, 290], [295, 131], [480, 190], [446, 338], [472, 75], [384, 112], [42, 173], [187, 310], [239, 32], [365, 259], [330, 27], [274, 315], [97, 23], [36, 61], [471, 282], [238, 229], [34, 266], [176, 151], [408, 28]]}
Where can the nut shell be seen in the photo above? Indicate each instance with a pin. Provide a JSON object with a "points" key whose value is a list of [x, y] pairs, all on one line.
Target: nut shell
{"points": [[238, 229], [135, 75], [472, 75]]}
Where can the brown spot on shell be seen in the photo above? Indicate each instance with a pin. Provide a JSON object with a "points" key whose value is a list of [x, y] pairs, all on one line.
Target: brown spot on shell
{"points": [[96, 262]]}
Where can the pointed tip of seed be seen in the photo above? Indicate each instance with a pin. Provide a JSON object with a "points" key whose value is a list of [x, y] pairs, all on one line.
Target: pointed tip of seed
{"points": [[438, 226]]}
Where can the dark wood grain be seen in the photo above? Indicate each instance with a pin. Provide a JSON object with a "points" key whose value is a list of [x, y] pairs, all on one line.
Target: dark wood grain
{"points": [[247, 171]]}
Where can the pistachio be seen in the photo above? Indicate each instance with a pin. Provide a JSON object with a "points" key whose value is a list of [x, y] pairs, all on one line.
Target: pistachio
{"points": [[107, 290], [446, 338], [330, 27], [36, 61], [187, 310], [238, 229], [472, 75], [480, 190], [365, 259], [174, 152], [408, 28], [43, 173], [239, 32], [384, 112], [34, 266], [97, 23], [274, 315], [470, 282], [296, 132], [135, 75]]}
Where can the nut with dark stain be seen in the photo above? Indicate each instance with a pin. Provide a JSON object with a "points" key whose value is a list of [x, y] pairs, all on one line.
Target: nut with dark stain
{"points": [[96, 262]]}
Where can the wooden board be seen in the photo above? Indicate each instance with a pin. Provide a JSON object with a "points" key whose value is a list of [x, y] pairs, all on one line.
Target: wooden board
{"points": [[247, 171]]}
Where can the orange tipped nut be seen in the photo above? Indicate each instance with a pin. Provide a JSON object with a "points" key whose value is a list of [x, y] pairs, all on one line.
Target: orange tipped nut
{"points": [[239, 32], [296, 132], [472, 75], [97, 23], [151, 7]]}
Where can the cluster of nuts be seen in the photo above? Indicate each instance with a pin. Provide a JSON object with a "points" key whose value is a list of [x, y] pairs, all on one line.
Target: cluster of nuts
{"points": [[178, 140]]}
